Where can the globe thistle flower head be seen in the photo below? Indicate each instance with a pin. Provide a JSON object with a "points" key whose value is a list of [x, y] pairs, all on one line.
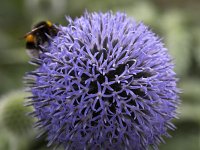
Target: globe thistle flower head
{"points": [[105, 82], [13, 116]]}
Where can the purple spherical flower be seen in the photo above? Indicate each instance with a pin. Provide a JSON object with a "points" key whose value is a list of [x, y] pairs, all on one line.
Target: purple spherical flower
{"points": [[104, 82]]}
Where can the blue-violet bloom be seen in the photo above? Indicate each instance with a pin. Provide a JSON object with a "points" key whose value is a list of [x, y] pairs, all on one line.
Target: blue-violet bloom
{"points": [[104, 82]]}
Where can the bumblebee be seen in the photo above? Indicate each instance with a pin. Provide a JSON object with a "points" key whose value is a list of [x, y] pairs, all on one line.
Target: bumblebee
{"points": [[39, 36]]}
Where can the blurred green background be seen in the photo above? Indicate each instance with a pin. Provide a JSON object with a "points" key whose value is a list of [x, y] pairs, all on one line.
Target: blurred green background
{"points": [[176, 21]]}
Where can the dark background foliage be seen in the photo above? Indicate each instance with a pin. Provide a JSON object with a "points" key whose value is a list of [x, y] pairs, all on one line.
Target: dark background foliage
{"points": [[176, 21]]}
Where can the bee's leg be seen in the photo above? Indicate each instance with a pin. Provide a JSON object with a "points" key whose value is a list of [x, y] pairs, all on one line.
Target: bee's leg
{"points": [[42, 48]]}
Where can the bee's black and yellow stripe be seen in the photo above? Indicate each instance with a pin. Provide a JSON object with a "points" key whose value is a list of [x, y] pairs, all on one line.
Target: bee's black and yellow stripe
{"points": [[38, 35]]}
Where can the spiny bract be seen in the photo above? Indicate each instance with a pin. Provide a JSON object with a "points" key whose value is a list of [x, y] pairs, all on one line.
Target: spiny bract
{"points": [[104, 82]]}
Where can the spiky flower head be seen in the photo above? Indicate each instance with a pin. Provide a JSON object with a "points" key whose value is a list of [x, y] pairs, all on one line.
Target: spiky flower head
{"points": [[13, 114], [104, 82]]}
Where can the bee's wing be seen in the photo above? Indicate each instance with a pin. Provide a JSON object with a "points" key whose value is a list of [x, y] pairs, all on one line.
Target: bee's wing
{"points": [[33, 30]]}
